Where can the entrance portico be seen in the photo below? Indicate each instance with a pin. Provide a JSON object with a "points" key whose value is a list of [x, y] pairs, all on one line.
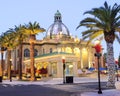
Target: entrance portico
{"points": [[54, 64]]}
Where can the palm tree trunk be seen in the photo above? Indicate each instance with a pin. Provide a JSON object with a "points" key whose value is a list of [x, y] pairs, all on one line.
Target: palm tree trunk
{"points": [[110, 65], [1, 67], [9, 64], [32, 61], [2, 61], [20, 62], [1, 64]]}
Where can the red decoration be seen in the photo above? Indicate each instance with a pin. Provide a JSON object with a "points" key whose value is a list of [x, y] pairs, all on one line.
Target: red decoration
{"points": [[98, 48], [63, 60], [28, 70], [43, 71], [116, 61], [38, 71]]}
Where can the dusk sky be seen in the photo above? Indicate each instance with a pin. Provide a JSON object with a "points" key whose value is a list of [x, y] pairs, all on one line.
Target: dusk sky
{"points": [[15, 12]]}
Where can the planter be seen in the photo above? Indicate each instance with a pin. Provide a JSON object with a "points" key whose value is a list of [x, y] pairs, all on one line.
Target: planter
{"points": [[0, 78], [69, 79]]}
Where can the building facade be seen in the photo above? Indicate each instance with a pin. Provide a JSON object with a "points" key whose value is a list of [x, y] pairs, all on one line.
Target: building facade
{"points": [[49, 52]]}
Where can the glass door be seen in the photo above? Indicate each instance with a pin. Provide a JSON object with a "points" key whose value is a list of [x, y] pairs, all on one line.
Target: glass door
{"points": [[69, 69]]}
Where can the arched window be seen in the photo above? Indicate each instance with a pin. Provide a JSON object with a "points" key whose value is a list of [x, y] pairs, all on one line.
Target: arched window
{"points": [[43, 51], [77, 51], [26, 53], [68, 50], [35, 52], [50, 50]]}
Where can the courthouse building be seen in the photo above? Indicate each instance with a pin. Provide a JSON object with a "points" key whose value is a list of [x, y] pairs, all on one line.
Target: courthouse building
{"points": [[57, 43]]}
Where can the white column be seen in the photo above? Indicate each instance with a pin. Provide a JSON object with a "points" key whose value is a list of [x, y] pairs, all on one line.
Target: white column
{"points": [[75, 68], [59, 69], [81, 60], [89, 56], [49, 69]]}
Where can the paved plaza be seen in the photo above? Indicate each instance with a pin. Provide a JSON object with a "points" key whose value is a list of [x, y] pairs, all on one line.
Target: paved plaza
{"points": [[82, 86]]}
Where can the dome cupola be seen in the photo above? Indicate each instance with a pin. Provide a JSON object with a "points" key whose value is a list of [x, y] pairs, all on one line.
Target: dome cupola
{"points": [[57, 17], [57, 28]]}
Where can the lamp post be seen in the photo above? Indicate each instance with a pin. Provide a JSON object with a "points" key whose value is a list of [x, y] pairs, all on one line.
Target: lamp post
{"points": [[116, 62], [63, 61], [98, 55]]}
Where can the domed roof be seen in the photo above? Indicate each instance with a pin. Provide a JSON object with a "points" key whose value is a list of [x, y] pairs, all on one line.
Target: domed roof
{"points": [[57, 28]]}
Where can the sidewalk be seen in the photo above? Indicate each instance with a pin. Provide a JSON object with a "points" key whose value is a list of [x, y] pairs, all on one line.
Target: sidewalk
{"points": [[112, 92], [84, 79], [53, 81]]}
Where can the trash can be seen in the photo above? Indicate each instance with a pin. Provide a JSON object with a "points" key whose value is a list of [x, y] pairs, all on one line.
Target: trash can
{"points": [[0, 78], [69, 79]]}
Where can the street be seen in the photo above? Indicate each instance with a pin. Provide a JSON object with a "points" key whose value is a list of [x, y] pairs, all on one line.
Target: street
{"points": [[30, 90], [48, 90]]}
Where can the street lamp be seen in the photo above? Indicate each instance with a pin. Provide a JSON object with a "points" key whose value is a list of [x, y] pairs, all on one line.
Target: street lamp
{"points": [[63, 61], [98, 48]]}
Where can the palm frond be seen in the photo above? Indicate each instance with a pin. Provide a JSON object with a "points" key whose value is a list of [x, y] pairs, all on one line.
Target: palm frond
{"points": [[88, 19], [105, 19], [33, 28]]}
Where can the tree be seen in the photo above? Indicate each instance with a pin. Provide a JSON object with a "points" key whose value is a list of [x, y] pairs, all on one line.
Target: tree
{"points": [[32, 29], [105, 22], [105, 59], [20, 37], [2, 49], [9, 41]]}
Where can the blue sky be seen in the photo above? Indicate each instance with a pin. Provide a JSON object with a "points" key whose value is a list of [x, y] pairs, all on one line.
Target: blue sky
{"points": [[15, 12]]}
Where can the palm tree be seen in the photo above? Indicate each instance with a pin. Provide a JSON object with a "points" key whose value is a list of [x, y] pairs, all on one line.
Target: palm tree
{"points": [[105, 22], [32, 29], [105, 59], [9, 41], [2, 52], [20, 37]]}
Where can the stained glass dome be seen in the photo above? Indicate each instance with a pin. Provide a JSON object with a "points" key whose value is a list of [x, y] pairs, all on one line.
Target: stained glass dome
{"points": [[57, 28]]}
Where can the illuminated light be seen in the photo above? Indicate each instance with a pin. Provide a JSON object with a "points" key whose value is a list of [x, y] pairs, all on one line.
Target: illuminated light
{"points": [[63, 59], [84, 49], [77, 51], [10, 59], [70, 66], [60, 32], [76, 39], [97, 42], [32, 41], [68, 50], [59, 50]]}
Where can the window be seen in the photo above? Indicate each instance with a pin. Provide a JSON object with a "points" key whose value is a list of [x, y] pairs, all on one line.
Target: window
{"points": [[35, 52], [77, 51], [68, 50], [50, 50], [43, 51], [26, 53]]}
